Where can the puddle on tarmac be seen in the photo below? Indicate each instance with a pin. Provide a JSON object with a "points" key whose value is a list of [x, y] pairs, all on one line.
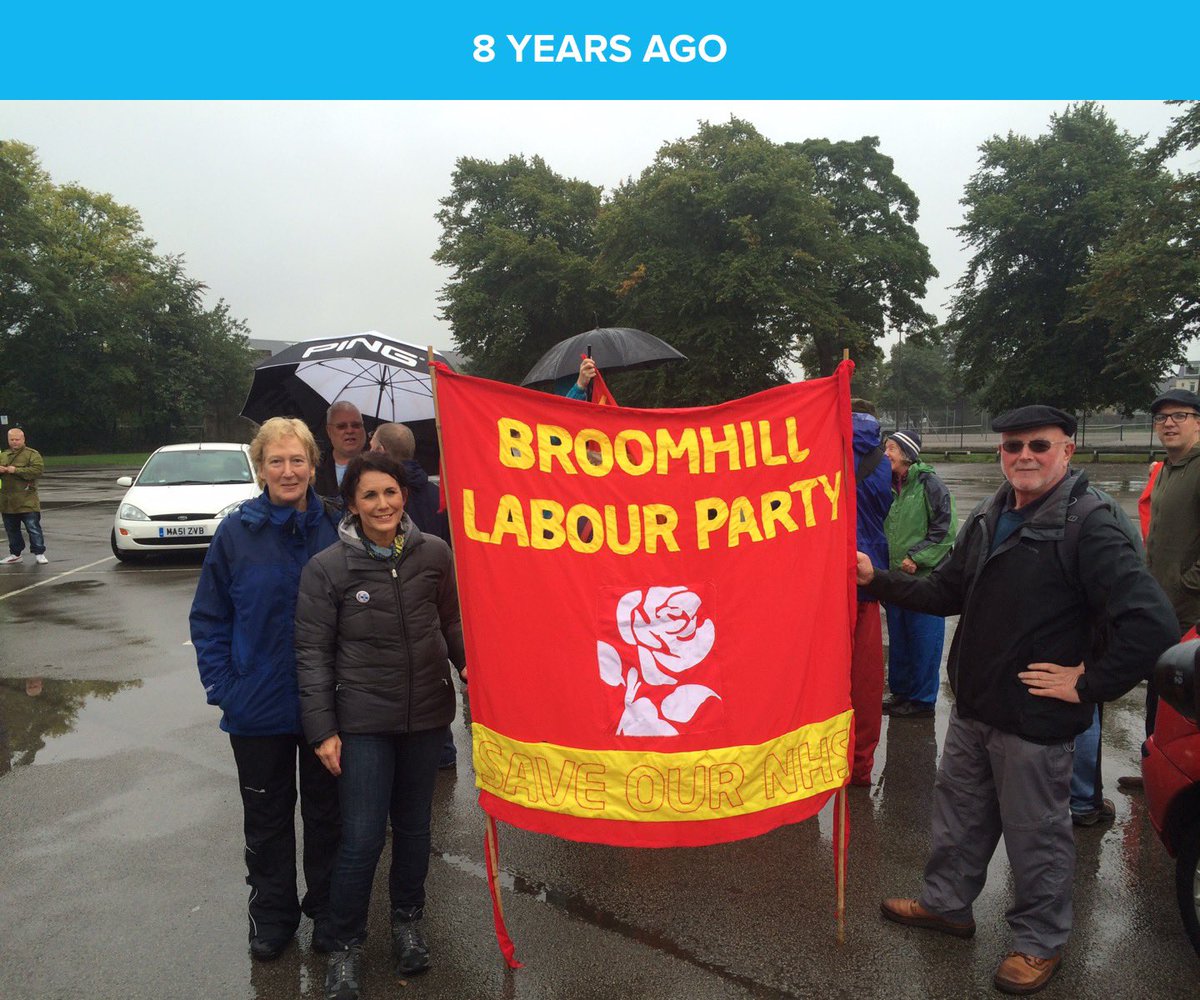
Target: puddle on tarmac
{"points": [[595, 916], [34, 710]]}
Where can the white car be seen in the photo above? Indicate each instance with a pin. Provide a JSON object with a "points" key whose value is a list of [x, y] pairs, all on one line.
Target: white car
{"points": [[179, 498]]}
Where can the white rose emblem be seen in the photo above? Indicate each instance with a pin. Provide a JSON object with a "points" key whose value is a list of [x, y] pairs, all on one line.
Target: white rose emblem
{"points": [[664, 625]]}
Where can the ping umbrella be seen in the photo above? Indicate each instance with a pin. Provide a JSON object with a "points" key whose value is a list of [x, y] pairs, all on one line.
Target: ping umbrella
{"points": [[614, 349], [387, 379]]}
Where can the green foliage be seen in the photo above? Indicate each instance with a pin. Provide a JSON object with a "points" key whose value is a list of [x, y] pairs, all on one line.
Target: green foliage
{"points": [[917, 380], [873, 263], [101, 339], [1037, 212], [520, 242], [1145, 280], [744, 254]]}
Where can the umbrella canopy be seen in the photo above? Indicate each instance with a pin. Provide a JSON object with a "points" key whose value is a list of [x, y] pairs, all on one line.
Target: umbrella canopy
{"points": [[387, 379], [614, 349]]}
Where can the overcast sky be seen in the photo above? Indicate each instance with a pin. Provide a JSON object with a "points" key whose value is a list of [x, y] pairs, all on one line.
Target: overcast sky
{"points": [[318, 218]]}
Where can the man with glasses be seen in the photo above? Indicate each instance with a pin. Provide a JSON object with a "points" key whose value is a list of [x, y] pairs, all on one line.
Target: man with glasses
{"points": [[347, 438], [1030, 587], [1173, 541]]}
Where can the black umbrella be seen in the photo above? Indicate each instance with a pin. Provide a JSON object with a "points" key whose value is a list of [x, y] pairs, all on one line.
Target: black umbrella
{"points": [[387, 379], [614, 349]]}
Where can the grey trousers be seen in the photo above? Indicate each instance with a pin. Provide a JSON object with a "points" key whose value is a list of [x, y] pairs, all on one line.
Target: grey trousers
{"points": [[989, 783]]}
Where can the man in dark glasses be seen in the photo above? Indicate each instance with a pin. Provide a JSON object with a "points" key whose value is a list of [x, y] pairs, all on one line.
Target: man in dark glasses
{"points": [[1173, 541], [1032, 582]]}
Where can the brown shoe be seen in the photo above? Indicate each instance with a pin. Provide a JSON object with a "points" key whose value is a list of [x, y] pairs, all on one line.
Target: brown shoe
{"points": [[912, 913], [1023, 974]]}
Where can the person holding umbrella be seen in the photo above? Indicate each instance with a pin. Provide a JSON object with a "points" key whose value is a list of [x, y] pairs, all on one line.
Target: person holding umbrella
{"points": [[241, 627]]}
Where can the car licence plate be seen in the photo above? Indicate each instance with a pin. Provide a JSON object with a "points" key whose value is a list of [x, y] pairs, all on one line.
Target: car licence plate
{"points": [[173, 531]]}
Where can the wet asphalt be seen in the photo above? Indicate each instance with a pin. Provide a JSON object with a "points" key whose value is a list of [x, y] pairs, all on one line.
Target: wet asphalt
{"points": [[121, 852]]}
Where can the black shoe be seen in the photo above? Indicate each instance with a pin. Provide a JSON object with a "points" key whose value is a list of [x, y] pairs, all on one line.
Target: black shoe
{"points": [[412, 954], [345, 971], [893, 701], [1130, 783], [912, 710], [448, 763], [322, 940], [1104, 814], [267, 949]]}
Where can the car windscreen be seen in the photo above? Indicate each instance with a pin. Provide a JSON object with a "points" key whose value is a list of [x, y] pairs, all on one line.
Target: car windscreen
{"points": [[196, 468]]}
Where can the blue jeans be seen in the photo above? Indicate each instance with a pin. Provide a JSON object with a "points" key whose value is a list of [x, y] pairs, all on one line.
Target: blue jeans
{"points": [[33, 524], [383, 774], [914, 654], [1087, 793]]}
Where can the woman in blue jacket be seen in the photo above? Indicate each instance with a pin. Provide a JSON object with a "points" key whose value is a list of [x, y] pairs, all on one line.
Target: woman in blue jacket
{"points": [[242, 623]]}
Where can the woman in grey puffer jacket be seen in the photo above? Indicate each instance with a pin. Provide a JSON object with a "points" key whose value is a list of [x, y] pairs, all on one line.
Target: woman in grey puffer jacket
{"points": [[377, 621]]}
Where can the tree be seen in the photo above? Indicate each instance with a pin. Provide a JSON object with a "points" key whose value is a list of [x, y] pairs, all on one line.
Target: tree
{"points": [[1037, 212], [918, 380], [1145, 280], [716, 248], [520, 241], [102, 340], [744, 254], [874, 262]]}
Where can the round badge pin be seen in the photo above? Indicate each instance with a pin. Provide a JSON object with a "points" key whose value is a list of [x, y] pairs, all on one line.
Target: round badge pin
{"points": [[362, 597]]}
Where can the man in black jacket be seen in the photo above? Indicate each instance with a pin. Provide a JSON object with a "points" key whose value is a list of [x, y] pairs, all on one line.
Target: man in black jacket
{"points": [[1031, 588]]}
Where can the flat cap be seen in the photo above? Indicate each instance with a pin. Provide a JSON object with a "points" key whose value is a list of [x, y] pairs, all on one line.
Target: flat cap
{"points": [[1037, 415], [1181, 396]]}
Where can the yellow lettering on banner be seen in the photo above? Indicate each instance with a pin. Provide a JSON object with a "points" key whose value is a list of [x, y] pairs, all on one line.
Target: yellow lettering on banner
{"points": [[712, 513], [653, 787], [634, 541], [832, 492], [764, 438], [489, 764], [468, 509], [516, 443], [777, 510], [805, 488], [749, 459], [546, 530], [667, 448], [590, 788], [554, 443], [795, 452], [661, 521], [585, 512], [742, 521], [589, 443], [510, 520], [625, 461], [728, 445]]}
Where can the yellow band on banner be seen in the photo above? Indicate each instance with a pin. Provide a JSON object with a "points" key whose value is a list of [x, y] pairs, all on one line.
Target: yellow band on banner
{"points": [[647, 787]]}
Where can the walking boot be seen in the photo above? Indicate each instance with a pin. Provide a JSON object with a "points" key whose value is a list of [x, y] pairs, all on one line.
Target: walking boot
{"points": [[345, 973], [408, 946]]}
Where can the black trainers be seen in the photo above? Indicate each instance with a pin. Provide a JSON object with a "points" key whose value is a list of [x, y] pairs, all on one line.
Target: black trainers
{"points": [[268, 949], [345, 971], [409, 947]]}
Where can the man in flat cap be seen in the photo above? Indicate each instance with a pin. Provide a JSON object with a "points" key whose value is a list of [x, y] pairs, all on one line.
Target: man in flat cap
{"points": [[1173, 541], [1034, 568]]}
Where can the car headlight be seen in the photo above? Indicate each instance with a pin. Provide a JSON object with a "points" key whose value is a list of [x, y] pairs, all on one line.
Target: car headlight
{"points": [[128, 512], [226, 511]]}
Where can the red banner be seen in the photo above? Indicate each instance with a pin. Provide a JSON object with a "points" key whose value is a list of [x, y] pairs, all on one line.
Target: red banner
{"points": [[658, 607]]}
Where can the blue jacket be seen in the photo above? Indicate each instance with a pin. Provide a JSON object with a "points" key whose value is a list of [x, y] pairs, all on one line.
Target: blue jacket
{"points": [[243, 613], [873, 494]]}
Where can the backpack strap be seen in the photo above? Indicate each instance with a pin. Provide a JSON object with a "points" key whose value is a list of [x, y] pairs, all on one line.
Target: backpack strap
{"points": [[868, 463]]}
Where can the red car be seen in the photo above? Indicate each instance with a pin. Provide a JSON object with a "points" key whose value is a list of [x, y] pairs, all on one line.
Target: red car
{"points": [[1171, 769]]}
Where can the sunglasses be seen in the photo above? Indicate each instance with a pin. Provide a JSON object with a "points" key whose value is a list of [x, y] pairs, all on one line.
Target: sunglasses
{"points": [[345, 426], [1039, 446]]}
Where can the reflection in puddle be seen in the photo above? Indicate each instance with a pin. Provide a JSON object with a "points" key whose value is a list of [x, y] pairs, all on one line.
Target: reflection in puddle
{"points": [[33, 710]]}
